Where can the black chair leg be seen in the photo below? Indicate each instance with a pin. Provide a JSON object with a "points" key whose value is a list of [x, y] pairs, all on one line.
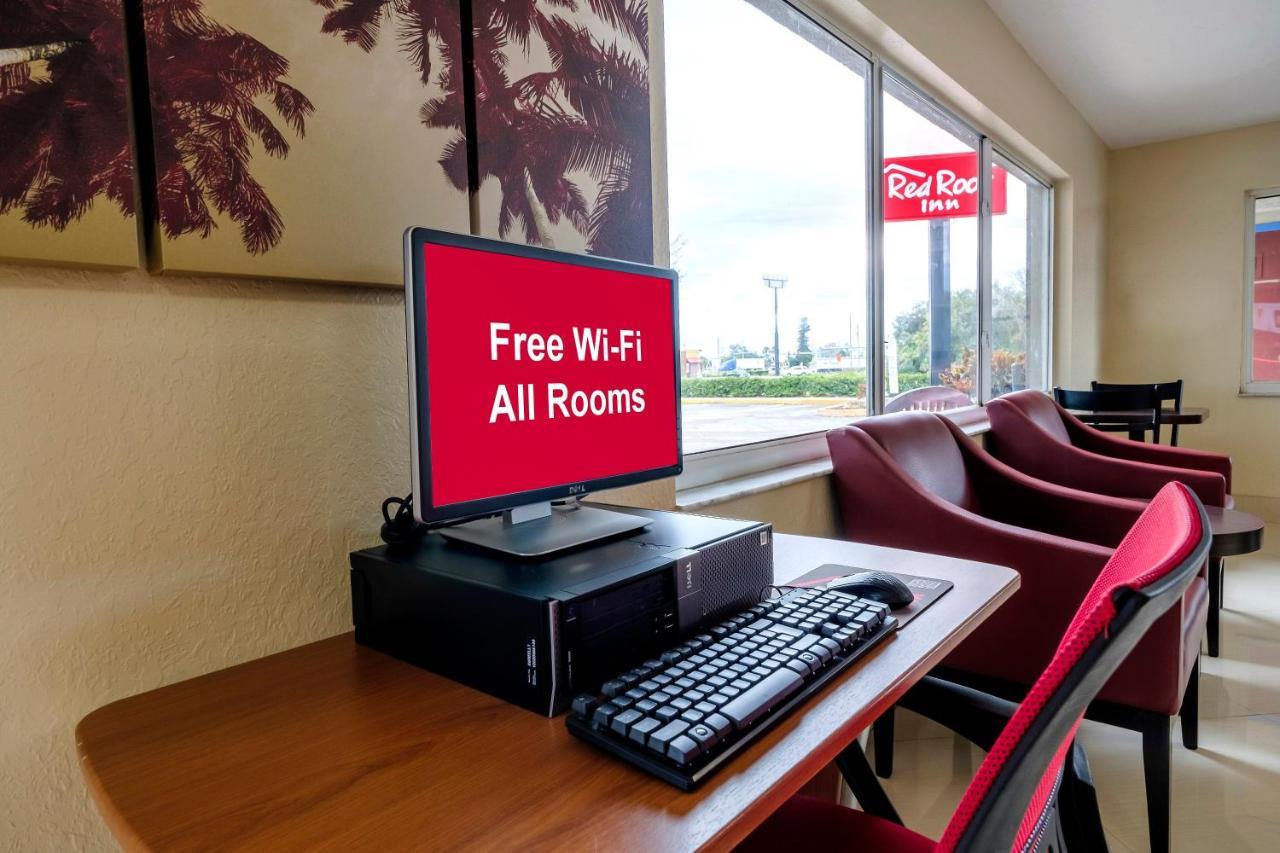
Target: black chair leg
{"points": [[865, 786], [1190, 710], [1078, 806], [1215, 605], [882, 737], [1157, 756]]}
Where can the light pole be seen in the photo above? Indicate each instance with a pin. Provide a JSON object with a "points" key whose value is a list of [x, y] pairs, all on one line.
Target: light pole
{"points": [[776, 283]]}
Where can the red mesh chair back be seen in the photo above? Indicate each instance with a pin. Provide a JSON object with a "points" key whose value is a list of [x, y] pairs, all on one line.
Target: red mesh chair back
{"points": [[1010, 801]]}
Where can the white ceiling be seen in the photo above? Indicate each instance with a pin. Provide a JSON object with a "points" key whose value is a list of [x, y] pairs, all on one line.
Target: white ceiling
{"points": [[1149, 70]]}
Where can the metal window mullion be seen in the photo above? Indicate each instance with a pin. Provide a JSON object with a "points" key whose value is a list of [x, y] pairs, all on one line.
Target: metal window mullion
{"points": [[1029, 176], [984, 270], [875, 341], [1019, 167], [805, 8], [1050, 239]]}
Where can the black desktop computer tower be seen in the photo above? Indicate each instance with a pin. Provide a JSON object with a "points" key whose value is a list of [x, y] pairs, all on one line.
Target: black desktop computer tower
{"points": [[537, 633]]}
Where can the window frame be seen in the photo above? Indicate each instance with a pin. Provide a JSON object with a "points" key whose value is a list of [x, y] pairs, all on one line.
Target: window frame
{"points": [[706, 467], [1248, 387], [987, 281], [943, 116]]}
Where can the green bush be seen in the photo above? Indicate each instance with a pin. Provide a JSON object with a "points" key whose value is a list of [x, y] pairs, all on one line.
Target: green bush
{"points": [[911, 381], [847, 383]]}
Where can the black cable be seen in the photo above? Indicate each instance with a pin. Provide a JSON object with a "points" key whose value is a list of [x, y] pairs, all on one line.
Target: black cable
{"points": [[400, 529]]}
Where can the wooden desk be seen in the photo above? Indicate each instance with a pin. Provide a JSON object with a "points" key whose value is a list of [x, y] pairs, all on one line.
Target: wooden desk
{"points": [[334, 745]]}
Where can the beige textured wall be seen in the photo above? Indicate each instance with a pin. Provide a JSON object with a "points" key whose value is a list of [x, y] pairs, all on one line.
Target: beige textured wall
{"points": [[1176, 285], [184, 466]]}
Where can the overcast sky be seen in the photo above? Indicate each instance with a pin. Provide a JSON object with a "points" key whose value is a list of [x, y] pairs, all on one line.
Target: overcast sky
{"points": [[766, 149]]}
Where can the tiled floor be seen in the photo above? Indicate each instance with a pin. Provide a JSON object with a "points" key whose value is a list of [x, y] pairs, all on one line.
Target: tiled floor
{"points": [[1226, 795]]}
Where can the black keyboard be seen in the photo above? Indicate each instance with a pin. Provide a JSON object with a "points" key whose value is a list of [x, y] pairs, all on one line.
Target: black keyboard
{"points": [[686, 713]]}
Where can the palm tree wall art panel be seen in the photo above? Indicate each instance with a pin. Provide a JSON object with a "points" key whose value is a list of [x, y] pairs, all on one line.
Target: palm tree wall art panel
{"points": [[66, 159], [562, 124], [293, 140]]}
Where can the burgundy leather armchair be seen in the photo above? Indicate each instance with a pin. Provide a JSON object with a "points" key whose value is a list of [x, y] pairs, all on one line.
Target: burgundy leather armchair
{"points": [[915, 480], [1032, 433]]}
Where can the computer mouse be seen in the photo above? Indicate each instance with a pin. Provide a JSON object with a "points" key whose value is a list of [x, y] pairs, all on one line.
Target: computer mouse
{"points": [[877, 586]]}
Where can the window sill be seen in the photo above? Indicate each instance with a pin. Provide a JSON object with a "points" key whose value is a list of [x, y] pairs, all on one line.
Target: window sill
{"points": [[973, 421], [711, 494]]}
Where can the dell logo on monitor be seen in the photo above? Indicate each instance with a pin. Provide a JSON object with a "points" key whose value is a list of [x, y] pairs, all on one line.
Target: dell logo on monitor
{"points": [[579, 489]]}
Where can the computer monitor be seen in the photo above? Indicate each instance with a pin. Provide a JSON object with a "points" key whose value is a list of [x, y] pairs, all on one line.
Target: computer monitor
{"points": [[535, 375]]}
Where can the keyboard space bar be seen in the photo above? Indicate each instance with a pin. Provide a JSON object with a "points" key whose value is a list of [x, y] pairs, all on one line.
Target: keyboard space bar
{"points": [[746, 708]]}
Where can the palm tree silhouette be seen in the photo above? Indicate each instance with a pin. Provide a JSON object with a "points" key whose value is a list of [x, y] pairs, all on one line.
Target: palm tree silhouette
{"points": [[519, 144], [420, 22], [589, 114], [204, 78], [64, 135], [606, 132]]}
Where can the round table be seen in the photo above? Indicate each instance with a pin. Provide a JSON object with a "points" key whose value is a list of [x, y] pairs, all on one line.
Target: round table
{"points": [[1234, 533]]}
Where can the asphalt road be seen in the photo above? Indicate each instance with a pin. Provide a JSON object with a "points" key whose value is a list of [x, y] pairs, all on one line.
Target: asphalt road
{"points": [[709, 424]]}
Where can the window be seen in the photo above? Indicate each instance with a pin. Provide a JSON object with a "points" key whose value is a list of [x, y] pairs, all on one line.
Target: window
{"points": [[795, 300], [767, 174], [1262, 302], [930, 246], [1020, 260]]}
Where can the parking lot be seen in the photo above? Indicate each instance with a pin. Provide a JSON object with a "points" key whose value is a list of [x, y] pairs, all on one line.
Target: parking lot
{"points": [[713, 423]]}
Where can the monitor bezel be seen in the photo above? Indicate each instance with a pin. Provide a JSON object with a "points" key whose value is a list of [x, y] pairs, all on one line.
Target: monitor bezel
{"points": [[424, 508]]}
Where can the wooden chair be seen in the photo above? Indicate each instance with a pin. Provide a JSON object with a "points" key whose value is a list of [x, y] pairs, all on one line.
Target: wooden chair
{"points": [[1170, 391], [1141, 397]]}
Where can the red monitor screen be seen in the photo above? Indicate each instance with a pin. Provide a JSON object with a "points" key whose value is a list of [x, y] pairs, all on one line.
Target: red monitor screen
{"points": [[540, 374]]}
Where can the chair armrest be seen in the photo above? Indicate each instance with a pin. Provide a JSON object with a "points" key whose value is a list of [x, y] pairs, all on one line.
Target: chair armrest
{"points": [[1021, 443], [1096, 441], [1013, 497], [976, 716]]}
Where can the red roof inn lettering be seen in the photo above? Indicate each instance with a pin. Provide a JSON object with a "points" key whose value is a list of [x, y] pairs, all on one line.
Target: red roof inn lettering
{"points": [[938, 186]]}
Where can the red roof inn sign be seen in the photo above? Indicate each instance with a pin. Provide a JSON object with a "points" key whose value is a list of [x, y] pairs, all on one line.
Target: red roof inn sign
{"points": [[938, 186]]}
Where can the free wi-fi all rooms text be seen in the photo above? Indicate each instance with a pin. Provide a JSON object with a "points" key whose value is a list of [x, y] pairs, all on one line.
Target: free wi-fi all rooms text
{"points": [[524, 401]]}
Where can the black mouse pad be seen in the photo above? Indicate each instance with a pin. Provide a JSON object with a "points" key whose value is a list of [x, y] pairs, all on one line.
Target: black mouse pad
{"points": [[927, 590]]}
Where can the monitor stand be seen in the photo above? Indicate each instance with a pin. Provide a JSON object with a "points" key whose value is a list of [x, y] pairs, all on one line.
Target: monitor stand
{"points": [[537, 530]]}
